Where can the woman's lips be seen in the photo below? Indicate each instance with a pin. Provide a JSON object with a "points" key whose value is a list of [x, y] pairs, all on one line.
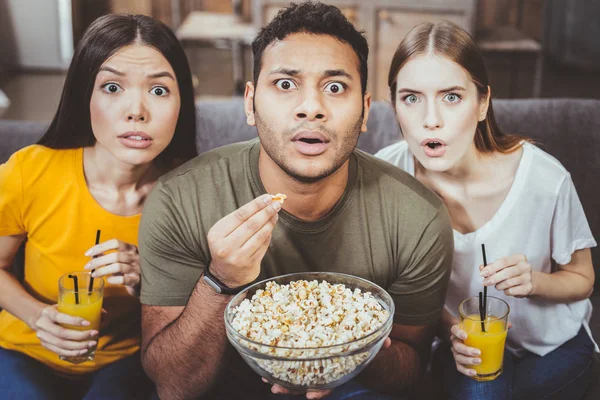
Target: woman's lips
{"points": [[135, 140], [433, 147], [437, 151]]}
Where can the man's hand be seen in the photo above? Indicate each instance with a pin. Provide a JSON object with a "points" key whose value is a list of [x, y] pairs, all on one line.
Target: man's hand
{"points": [[315, 394], [239, 241]]}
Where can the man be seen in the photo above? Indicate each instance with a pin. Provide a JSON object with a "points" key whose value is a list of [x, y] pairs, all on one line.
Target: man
{"points": [[210, 226]]}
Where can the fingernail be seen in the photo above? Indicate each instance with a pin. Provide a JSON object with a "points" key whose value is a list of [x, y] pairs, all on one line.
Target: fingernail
{"points": [[476, 361], [472, 373], [89, 252], [83, 351], [268, 199], [85, 323], [91, 344], [476, 352], [463, 336], [484, 273], [487, 281], [87, 266], [93, 333], [276, 206]]}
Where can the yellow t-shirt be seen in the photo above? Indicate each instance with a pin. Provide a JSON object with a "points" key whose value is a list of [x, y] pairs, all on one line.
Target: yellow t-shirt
{"points": [[43, 193]]}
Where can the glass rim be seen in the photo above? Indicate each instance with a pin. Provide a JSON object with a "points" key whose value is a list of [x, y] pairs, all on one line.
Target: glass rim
{"points": [[479, 319], [64, 289]]}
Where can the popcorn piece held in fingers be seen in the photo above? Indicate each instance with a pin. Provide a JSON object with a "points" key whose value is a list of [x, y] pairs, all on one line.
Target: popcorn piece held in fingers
{"points": [[280, 197]]}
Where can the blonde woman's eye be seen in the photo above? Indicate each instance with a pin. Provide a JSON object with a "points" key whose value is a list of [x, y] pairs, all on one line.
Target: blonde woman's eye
{"points": [[452, 98], [335, 88], [111, 88], [285, 84], [159, 91], [411, 99]]}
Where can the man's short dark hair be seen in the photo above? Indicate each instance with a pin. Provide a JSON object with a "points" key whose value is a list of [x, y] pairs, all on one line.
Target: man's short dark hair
{"points": [[316, 18]]}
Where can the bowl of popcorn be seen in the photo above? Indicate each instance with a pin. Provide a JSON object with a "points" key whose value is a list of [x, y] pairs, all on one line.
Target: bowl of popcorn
{"points": [[309, 330]]}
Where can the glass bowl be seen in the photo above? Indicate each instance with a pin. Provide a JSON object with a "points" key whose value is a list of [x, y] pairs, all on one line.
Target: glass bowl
{"points": [[311, 368]]}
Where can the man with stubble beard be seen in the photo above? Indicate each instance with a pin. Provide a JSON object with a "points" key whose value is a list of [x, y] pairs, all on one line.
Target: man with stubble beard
{"points": [[211, 227]]}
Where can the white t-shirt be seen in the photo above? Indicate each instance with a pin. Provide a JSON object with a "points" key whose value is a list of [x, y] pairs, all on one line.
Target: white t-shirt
{"points": [[540, 217]]}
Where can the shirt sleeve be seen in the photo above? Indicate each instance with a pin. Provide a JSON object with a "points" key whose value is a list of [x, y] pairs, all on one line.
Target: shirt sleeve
{"points": [[171, 263], [420, 290], [11, 197], [570, 229]]}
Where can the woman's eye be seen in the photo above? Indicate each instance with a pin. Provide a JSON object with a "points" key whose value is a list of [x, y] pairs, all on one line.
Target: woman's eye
{"points": [[111, 88], [285, 84], [452, 98], [411, 99], [335, 88], [159, 91]]}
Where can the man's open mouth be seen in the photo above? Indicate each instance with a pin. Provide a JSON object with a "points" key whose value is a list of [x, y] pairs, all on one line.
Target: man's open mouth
{"points": [[311, 140]]}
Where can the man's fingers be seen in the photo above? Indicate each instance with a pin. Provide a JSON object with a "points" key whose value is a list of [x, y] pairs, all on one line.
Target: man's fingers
{"points": [[248, 229], [232, 221], [259, 240]]}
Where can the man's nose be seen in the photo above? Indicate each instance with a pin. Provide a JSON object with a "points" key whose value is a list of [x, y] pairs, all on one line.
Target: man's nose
{"points": [[312, 107]]}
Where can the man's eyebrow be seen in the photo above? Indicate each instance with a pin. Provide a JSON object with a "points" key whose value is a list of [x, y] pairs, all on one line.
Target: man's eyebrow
{"points": [[337, 72], [285, 71], [156, 75]]}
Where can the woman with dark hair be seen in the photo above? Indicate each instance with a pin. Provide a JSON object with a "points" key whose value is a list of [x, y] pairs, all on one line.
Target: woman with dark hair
{"points": [[502, 191], [126, 117]]}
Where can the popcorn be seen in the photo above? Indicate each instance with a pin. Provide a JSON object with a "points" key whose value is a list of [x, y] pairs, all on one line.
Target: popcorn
{"points": [[309, 316]]}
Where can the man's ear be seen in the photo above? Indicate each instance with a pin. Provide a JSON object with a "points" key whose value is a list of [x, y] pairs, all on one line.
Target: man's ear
{"points": [[249, 104], [484, 105], [367, 107]]}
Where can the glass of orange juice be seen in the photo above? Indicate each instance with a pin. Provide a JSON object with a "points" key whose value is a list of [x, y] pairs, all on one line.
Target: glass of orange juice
{"points": [[83, 301], [487, 335]]}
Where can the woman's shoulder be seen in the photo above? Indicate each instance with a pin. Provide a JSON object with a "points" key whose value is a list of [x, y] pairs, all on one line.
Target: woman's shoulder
{"points": [[395, 153], [544, 163], [545, 173], [36, 155]]}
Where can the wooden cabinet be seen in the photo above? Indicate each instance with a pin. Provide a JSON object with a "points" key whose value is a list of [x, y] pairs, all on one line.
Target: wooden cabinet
{"points": [[385, 23]]}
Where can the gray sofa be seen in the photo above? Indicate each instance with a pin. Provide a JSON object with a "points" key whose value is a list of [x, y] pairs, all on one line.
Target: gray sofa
{"points": [[569, 129]]}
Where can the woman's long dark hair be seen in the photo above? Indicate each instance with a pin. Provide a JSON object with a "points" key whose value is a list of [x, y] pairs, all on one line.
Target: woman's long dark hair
{"points": [[71, 127]]}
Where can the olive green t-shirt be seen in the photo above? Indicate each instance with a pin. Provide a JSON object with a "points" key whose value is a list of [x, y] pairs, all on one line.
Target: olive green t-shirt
{"points": [[387, 228]]}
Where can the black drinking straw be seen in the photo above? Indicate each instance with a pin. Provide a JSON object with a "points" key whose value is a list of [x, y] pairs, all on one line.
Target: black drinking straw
{"points": [[485, 287], [76, 287], [481, 312], [91, 277]]}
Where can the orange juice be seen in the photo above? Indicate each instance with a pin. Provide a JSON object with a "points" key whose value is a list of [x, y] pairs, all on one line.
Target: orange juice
{"points": [[490, 343], [89, 308], [81, 296]]}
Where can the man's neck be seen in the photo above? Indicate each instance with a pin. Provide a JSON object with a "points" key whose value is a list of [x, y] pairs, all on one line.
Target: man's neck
{"points": [[305, 201]]}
